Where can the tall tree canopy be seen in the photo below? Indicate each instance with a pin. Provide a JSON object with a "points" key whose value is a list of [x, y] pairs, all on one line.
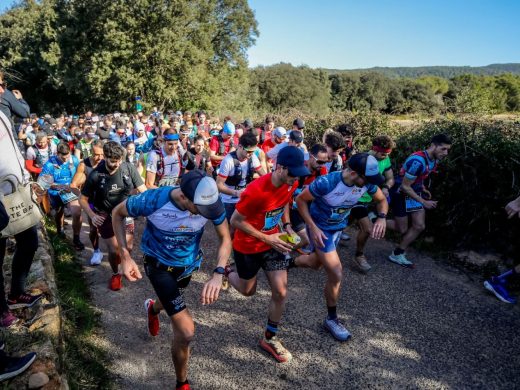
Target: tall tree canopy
{"points": [[177, 53]]}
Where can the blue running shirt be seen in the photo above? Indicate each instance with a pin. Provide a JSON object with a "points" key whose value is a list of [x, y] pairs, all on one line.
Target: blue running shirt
{"points": [[171, 235], [334, 199]]}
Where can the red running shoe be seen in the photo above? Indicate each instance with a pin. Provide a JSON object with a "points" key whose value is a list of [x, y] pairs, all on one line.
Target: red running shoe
{"points": [[153, 319], [116, 282], [185, 386], [7, 319]]}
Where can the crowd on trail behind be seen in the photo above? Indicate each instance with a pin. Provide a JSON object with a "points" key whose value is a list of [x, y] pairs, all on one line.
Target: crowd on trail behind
{"points": [[276, 203]]}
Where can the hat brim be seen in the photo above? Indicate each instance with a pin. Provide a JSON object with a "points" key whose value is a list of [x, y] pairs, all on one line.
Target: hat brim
{"points": [[375, 179], [211, 211], [299, 171]]}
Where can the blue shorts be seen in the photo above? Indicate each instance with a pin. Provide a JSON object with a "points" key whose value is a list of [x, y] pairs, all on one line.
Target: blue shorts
{"points": [[331, 242]]}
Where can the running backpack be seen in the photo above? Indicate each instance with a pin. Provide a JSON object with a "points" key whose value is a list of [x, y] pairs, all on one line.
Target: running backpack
{"points": [[160, 165], [38, 161], [427, 170], [234, 181], [222, 145]]}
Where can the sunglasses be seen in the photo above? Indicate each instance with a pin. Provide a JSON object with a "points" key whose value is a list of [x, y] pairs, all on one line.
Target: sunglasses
{"points": [[319, 162]]}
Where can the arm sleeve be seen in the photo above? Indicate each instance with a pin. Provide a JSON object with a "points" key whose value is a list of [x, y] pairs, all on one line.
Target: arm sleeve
{"points": [[322, 186], [413, 167], [226, 167], [18, 107], [29, 165], [371, 189]]}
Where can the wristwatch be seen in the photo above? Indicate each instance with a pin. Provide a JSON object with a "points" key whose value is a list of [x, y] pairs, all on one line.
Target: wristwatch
{"points": [[381, 215], [219, 270]]}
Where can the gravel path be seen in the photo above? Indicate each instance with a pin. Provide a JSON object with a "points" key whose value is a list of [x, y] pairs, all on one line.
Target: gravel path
{"points": [[431, 327]]}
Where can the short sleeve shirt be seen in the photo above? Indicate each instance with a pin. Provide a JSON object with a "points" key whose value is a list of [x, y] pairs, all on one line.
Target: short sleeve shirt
{"points": [[333, 200], [227, 169], [106, 191], [214, 145], [413, 168], [172, 235], [262, 205]]}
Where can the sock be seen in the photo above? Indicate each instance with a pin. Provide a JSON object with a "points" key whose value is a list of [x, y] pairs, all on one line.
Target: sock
{"points": [[179, 384], [331, 313], [76, 237], [398, 251], [359, 253], [271, 329]]}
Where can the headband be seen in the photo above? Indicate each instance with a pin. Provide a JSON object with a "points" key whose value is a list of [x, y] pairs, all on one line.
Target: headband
{"points": [[380, 149], [171, 137]]}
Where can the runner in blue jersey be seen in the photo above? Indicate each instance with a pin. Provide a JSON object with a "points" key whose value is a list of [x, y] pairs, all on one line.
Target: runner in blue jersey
{"points": [[171, 247], [410, 195], [332, 197]]}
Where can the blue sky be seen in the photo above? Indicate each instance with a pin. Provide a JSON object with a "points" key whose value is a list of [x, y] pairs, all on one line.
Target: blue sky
{"points": [[348, 34]]}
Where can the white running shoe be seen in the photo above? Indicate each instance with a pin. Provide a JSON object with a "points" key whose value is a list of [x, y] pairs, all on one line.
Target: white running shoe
{"points": [[96, 258]]}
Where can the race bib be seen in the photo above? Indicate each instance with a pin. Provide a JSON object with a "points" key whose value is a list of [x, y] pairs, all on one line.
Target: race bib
{"points": [[412, 205], [169, 181], [272, 218], [338, 214], [67, 197]]}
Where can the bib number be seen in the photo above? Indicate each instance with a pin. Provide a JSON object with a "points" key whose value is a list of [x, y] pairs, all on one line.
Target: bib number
{"points": [[412, 205], [338, 214], [272, 218], [169, 181]]}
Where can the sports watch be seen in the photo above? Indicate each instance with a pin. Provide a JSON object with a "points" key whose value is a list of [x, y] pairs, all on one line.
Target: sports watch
{"points": [[219, 270]]}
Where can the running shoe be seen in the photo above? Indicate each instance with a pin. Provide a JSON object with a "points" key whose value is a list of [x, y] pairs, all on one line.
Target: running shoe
{"points": [[361, 263], [336, 329], [116, 282], [8, 319], [400, 259], [499, 289], [16, 365], [185, 386], [78, 245], [276, 349], [62, 235], [345, 237], [23, 300], [96, 258], [153, 319]]}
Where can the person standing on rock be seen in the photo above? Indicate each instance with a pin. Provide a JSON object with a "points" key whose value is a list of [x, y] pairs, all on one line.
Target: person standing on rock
{"points": [[410, 197], [498, 284], [257, 243], [171, 245], [110, 183]]}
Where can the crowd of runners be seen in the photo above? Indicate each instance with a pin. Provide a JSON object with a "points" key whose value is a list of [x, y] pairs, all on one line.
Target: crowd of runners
{"points": [[276, 203]]}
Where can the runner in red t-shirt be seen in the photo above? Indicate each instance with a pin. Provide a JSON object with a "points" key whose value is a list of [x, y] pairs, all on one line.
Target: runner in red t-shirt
{"points": [[263, 206], [277, 137]]}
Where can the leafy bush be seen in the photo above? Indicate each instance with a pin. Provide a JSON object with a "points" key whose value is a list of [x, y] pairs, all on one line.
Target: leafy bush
{"points": [[480, 175]]}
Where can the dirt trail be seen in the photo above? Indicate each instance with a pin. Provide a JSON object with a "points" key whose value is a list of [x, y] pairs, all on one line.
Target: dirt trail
{"points": [[431, 327]]}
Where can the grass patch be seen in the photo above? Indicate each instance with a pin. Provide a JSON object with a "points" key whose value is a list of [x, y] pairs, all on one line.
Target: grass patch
{"points": [[84, 362]]}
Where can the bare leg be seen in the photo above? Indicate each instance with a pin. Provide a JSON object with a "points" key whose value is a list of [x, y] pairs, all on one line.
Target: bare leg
{"points": [[418, 226], [183, 333], [278, 282]]}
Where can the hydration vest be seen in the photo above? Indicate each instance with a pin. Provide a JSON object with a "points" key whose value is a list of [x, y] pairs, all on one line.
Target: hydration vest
{"points": [[234, 181], [222, 145], [335, 166], [160, 165], [427, 169], [38, 161]]}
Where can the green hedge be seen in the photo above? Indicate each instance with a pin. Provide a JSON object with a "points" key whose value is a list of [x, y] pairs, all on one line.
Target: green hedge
{"points": [[481, 174]]}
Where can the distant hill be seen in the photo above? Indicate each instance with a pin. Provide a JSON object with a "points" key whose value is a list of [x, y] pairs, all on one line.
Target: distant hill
{"points": [[441, 71]]}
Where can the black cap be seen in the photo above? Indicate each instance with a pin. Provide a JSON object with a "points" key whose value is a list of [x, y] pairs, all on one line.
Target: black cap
{"points": [[296, 136], [202, 190], [299, 123], [366, 165], [293, 158]]}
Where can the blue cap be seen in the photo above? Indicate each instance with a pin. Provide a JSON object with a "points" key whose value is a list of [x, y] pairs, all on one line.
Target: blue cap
{"points": [[229, 128], [293, 158]]}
